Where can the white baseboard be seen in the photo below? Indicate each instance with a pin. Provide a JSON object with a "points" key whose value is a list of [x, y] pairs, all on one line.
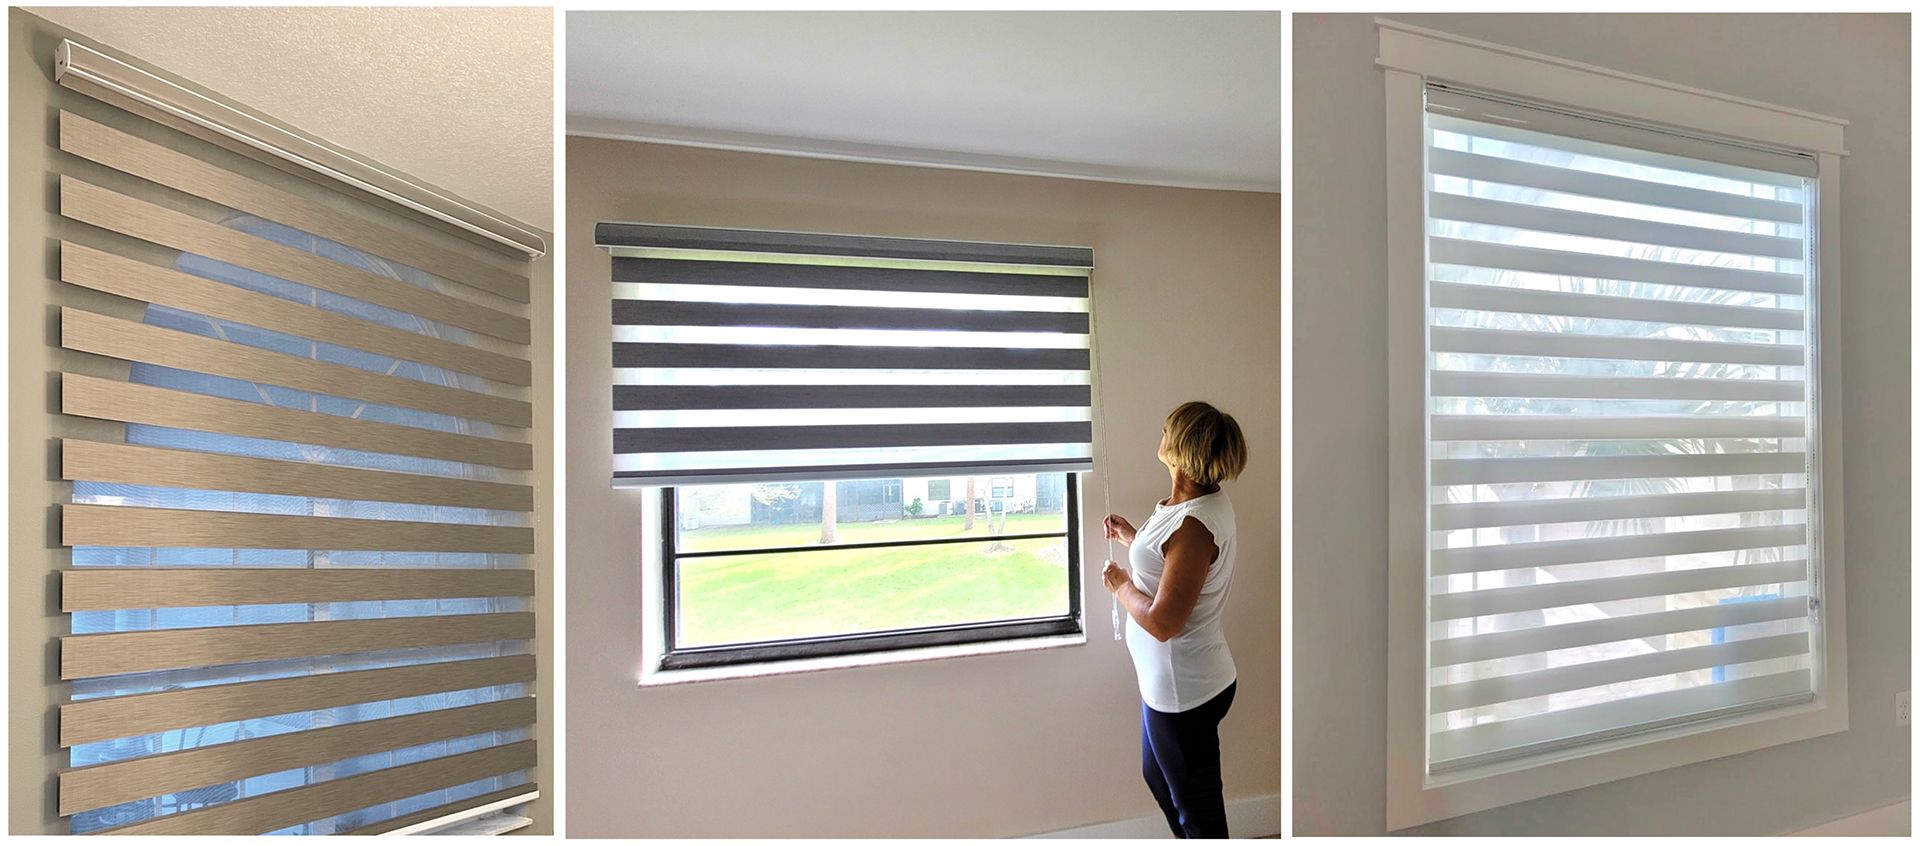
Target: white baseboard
{"points": [[1895, 820], [1253, 816]]}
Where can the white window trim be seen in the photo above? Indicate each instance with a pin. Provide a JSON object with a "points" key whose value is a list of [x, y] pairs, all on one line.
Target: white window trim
{"points": [[1408, 57], [1439, 55]]}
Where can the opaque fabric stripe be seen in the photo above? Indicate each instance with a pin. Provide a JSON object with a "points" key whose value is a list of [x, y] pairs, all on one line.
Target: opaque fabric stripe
{"points": [[115, 653], [116, 525], [148, 160], [697, 272], [90, 268], [823, 437], [867, 357], [1501, 256], [87, 331], [135, 465], [274, 811], [127, 402], [108, 588], [91, 720], [146, 221], [808, 472], [1543, 177], [98, 786], [642, 397], [656, 313]]}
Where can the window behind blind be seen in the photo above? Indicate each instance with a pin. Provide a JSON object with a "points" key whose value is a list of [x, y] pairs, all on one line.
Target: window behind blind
{"points": [[300, 584], [1621, 469], [780, 370]]}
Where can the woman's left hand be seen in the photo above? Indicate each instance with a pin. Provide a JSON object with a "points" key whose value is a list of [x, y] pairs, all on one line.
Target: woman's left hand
{"points": [[1114, 576]]}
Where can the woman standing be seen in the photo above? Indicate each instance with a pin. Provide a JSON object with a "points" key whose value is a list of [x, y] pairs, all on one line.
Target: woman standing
{"points": [[1182, 568]]}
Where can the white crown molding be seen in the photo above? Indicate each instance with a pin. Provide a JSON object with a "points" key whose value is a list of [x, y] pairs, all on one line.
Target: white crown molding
{"points": [[1495, 67], [135, 89], [813, 148]]}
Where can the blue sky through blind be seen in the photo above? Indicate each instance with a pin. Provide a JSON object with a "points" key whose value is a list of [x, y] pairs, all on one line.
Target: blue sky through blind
{"points": [[156, 497]]}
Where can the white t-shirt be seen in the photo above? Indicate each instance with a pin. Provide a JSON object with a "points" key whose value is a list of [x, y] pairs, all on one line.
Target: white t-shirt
{"points": [[1193, 666]]}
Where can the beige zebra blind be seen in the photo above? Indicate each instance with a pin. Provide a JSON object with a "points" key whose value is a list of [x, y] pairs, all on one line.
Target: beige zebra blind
{"points": [[299, 590]]}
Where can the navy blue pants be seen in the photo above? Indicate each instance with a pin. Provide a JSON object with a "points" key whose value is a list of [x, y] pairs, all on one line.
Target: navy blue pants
{"points": [[1180, 757]]}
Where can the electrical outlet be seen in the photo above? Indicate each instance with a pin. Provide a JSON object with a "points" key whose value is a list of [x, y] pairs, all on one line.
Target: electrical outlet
{"points": [[1902, 708]]}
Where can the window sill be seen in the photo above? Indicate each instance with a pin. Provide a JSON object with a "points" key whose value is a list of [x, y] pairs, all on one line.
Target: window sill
{"points": [[1411, 802], [657, 677]]}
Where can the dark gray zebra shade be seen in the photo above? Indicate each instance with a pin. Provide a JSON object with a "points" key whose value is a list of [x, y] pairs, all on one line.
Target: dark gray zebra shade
{"points": [[748, 356]]}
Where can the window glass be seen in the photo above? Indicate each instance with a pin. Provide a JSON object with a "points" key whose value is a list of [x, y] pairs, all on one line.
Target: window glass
{"points": [[768, 562]]}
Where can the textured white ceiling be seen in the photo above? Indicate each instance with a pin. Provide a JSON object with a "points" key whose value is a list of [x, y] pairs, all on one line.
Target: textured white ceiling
{"points": [[1182, 98], [459, 97]]}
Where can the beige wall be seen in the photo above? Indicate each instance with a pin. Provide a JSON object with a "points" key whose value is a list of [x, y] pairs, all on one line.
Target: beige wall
{"points": [[1188, 307], [1854, 67], [33, 618], [33, 355]]}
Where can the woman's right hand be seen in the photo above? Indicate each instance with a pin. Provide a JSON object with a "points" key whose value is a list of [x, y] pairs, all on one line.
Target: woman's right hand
{"points": [[1119, 529]]}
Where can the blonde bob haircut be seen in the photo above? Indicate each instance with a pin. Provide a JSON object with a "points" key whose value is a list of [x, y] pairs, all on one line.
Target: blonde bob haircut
{"points": [[1205, 443]]}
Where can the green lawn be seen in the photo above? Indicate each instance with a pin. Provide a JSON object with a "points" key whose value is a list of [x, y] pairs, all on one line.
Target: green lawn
{"points": [[761, 537], [736, 599]]}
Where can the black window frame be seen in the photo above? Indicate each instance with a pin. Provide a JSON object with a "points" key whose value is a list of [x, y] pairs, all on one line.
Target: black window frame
{"points": [[674, 657]]}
